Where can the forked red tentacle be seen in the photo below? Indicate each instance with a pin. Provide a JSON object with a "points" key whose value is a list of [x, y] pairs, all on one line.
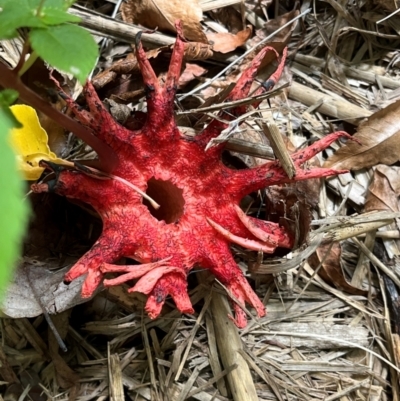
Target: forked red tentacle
{"points": [[308, 153], [244, 242], [157, 279], [150, 80], [243, 85], [245, 181], [132, 272], [255, 229], [280, 235], [161, 282], [221, 263], [147, 282], [175, 66], [274, 78], [97, 116], [266, 231], [173, 284], [242, 292], [91, 262], [160, 120], [240, 91]]}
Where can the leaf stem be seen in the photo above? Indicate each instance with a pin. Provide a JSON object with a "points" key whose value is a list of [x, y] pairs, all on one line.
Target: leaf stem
{"points": [[40, 6], [21, 60], [28, 63]]}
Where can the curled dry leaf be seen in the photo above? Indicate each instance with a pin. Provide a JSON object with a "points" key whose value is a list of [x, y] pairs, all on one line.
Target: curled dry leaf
{"points": [[226, 42], [31, 278], [197, 51], [291, 205], [384, 190], [228, 17], [331, 271], [162, 14], [380, 142], [191, 72]]}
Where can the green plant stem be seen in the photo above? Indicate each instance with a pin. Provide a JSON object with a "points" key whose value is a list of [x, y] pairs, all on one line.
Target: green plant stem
{"points": [[21, 60], [28, 63], [40, 6], [108, 158]]}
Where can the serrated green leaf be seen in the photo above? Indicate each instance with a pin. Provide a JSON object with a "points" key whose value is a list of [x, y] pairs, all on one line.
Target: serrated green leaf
{"points": [[67, 47], [17, 14], [13, 211], [55, 16]]}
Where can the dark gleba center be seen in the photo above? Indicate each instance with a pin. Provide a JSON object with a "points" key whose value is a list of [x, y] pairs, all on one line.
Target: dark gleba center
{"points": [[169, 197]]}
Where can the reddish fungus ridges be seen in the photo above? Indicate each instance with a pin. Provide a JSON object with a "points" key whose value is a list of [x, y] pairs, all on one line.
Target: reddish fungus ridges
{"points": [[199, 216]]}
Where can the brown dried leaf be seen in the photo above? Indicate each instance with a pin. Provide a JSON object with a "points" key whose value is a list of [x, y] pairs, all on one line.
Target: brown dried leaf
{"points": [[55, 296], [191, 72], [228, 17], [380, 142], [226, 42], [291, 205], [331, 271], [282, 38], [129, 65], [384, 190], [163, 14], [197, 51]]}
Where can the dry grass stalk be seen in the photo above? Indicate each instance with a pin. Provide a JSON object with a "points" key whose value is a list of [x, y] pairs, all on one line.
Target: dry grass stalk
{"points": [[115, 386], [229, 346], [332, 106]]}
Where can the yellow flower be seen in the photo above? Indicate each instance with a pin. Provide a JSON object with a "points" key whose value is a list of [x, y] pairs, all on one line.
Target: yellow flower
{"points": [[30, 142]]}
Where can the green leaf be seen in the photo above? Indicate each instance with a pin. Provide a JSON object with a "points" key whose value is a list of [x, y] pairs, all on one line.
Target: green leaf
{"points": [[16, 14], [13, 210], [67, 47], [60, 4], [8, 97], [54, 16]]}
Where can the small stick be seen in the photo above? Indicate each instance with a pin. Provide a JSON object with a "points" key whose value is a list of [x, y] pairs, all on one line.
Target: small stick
{"points": [[274, 136]]}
